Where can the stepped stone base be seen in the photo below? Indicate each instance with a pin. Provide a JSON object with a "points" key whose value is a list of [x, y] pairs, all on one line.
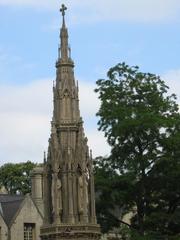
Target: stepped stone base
{"points": [[72, 232]]}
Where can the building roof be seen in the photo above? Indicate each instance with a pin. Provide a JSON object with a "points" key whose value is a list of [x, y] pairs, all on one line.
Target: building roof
{"points": [[9, 205]]}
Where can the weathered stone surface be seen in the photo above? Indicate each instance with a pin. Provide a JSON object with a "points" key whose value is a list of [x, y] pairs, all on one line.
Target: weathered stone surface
{"points": [[71, 232], [69, 200]]}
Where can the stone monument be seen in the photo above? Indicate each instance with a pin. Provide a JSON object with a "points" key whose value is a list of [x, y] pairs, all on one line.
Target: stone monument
{"points": [[69, 199]]}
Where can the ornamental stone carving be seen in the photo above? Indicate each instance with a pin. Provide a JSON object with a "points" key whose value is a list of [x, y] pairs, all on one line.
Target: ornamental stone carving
{"points": [[69, 197]]}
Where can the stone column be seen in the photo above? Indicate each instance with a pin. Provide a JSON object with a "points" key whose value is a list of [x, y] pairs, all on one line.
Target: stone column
{"points": [[47, 196], [85, 198], [65, 194], [70, 197], [46, 215], [80, 197], [92, 193], [75, 196]]}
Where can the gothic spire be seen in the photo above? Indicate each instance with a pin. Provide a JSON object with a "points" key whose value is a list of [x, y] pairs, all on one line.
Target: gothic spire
{"points": [[64, 51], [66, 101], [68, 173]]}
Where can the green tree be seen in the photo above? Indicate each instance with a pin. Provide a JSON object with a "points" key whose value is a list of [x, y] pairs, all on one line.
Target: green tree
{"points": [[16, 177], [141, 123], [111, 193], [107, 198]]}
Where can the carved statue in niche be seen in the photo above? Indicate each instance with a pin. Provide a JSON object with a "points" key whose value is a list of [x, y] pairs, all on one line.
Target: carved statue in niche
{"points": [[56, 193], [80, 189], [86, 192]]}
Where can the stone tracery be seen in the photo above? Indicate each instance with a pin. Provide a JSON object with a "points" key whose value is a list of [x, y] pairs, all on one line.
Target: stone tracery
{"points": [[68, 176]]}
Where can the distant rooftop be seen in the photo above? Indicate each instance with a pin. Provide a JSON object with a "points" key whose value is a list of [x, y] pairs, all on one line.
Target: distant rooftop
{"points": [[9, 205]]}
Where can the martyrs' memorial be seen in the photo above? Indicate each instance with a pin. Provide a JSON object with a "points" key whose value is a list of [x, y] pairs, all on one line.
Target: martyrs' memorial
{"points": [[69, 198]]}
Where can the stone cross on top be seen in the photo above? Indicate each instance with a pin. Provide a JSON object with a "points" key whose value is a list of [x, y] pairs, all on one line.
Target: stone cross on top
{"points": [[63, 9]]}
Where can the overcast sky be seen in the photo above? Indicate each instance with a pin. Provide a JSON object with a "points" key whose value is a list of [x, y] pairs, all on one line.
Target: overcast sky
{"points": [[101, 33]]}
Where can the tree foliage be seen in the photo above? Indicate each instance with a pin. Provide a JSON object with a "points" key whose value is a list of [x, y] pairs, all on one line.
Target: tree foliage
{"points": [[16, 177], [141, 123], [106, 195]]}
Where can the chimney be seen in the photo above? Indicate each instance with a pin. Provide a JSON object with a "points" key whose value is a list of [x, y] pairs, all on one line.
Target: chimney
{"points": [[37, 188]]}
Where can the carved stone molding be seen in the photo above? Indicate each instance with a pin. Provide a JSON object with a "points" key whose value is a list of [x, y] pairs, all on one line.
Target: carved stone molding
{"points": [[89, 232]]}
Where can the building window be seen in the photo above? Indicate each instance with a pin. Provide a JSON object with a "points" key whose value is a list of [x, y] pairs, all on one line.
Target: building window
{"points": [[29, 231]]}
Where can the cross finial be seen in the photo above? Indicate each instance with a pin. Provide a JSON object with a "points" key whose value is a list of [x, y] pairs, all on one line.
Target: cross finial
{"points": [[63, 9]]}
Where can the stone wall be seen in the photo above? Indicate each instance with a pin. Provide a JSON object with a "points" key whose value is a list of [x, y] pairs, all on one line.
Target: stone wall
{"points": [[3, 229]]}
